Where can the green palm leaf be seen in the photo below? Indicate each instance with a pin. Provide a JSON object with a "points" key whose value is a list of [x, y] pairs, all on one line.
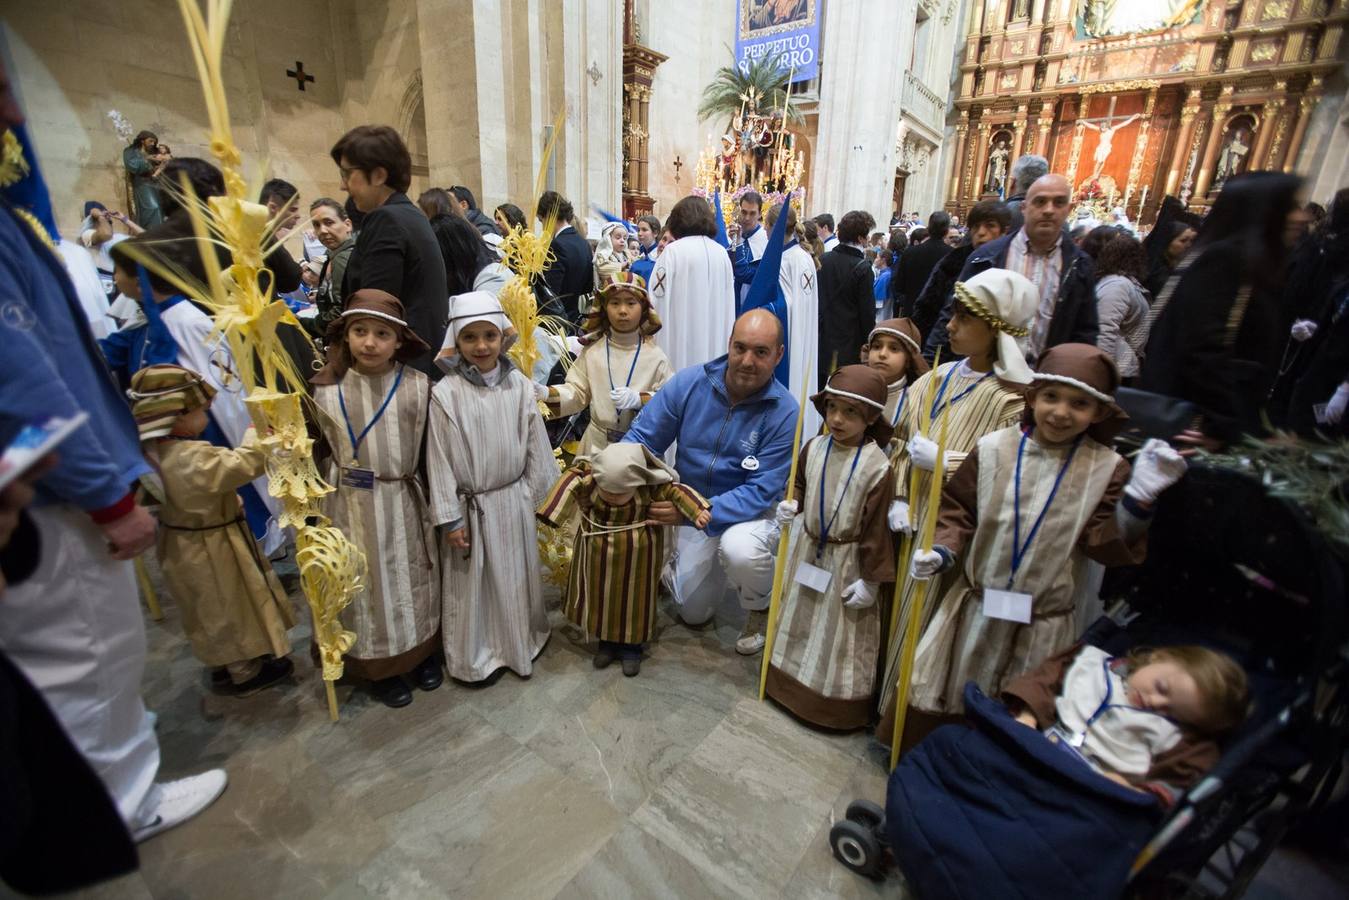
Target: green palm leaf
{"points": [[763, 81]]}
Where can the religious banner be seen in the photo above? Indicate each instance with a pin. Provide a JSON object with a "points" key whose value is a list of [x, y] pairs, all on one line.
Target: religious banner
{"points": [[786, 29]]}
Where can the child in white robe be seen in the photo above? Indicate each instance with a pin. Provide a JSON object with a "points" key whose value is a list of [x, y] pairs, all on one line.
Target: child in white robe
{"points": [[490, 466]]}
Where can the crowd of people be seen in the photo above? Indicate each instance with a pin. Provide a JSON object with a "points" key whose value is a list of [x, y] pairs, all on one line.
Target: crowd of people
{"points": [[985, 357]]}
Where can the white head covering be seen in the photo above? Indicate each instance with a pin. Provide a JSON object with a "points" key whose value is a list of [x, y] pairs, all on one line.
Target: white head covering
{"points": [[465, 309], [1006, 301]]}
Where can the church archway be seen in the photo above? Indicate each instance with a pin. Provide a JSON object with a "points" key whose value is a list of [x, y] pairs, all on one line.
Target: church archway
{"points": [[412, 126]]}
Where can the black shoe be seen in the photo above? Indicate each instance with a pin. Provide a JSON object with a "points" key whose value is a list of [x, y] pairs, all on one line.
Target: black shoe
{"points": [[272, 671], [392, 692], [632, 665], [604, 657], [427, 674]]}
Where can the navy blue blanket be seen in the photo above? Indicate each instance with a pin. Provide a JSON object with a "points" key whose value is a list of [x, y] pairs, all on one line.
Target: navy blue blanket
{"points": [[997, 810]]}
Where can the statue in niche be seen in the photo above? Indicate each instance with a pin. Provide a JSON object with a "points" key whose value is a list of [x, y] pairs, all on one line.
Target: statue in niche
{"points": [[1021, 10], [996, 174], [1232, 159]]}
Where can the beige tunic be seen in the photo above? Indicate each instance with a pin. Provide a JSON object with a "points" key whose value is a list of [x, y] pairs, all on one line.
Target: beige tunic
{"points": [[897, 402], [989, 406], [396, 615], [490, 466], [233, 607], [824, 654], [962, 644], [601, 364]]}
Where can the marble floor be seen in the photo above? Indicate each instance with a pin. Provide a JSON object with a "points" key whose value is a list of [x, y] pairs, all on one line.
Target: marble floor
{"points": [[571, 784]]}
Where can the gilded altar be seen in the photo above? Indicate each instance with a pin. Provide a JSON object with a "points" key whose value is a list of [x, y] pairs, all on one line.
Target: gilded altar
{"points": [[1136, 99]]}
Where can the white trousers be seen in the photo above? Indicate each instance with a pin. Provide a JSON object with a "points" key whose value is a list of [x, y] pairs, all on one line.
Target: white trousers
{"points": [[704, 569], [75, 629]]}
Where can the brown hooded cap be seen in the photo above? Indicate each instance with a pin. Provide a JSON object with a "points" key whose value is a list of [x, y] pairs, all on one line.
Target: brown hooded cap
{"points": [[1088, 368], [911, 337], [864, 386], [367, 303]]}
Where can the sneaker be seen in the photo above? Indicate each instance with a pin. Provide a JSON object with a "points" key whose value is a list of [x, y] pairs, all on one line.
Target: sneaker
{"points": [[181, 800], [751, 639], [272, 671]]}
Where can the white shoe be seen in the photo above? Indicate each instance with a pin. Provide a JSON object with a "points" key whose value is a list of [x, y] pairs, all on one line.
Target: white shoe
{"points": [[751, 638], [181, 800]]}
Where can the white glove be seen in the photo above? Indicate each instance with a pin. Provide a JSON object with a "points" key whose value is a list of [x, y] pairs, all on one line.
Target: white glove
{"points": [[860, 595], [1338, 401], [573, 345], [625, 398], [540, 390], [787, 510], [1157, 467], [1303, 329], [923, 452], [924, 564], [898, 517]]}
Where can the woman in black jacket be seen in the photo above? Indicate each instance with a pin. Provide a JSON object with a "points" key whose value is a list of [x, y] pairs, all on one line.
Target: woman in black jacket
{"points": [[1217, 335], [461, 244]]}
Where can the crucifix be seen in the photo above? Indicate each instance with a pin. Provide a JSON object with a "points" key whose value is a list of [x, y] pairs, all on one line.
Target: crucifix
{"points": [[678, 164], [1107, 126], [299, 74]]}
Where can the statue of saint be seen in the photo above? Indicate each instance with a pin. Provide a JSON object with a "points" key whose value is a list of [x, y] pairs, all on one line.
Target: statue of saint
{"points": [[1233, 156], [996, 179]]}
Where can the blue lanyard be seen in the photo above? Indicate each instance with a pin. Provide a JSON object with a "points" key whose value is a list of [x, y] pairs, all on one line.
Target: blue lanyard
{"points": [[610, 365], [936, 404], [899, 410], [342, 402], [838, 502], [1107, 705], [1019, 549]]}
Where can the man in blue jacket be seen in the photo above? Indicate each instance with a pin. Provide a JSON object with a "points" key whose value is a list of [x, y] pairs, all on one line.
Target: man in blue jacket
{"points": [[734, 425]]}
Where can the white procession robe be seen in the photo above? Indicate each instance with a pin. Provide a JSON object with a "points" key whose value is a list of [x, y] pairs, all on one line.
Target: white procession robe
{"points": [[693, 291]]}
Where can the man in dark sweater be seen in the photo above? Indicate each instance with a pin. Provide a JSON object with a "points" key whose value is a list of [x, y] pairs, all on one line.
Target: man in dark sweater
{"points": [[468, 205], [847, 304], [918, 262]]}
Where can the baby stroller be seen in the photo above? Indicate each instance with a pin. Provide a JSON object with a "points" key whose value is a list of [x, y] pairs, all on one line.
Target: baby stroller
{"points": [[993, 810]]}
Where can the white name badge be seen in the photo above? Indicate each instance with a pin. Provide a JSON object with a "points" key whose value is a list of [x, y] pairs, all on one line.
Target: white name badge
{"points": [[813, 577], [1007, 605]]}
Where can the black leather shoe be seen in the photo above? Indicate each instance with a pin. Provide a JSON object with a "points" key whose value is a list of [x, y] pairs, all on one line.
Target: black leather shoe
{"points": [[272, 671], [392, 692], [427, 674]]}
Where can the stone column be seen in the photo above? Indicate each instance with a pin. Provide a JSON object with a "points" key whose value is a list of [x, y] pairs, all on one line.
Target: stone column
{"points": [[1046, 124], [1180, 154], [975, 187], [1018, 137], [1304, 112], [962, 132], [1269, 116], [853, 163], [1215, 136], [451, 75]]}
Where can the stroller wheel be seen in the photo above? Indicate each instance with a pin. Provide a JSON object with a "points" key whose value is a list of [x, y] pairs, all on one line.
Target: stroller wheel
{"points": [[855, 845], [866, 813]]}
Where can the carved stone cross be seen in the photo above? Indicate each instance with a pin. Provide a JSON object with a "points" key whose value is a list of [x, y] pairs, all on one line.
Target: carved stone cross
{"points": [[299, 74]]}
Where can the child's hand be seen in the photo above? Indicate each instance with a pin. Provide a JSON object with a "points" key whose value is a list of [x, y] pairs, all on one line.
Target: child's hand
{"points": [[1157, 467], [786, 511], [458, 538], [925, 564], [898, 517], [859, 595], [703, 518]]}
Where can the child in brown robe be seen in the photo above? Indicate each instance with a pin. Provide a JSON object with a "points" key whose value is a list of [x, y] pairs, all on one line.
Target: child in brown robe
{"points": [[235, 612]]}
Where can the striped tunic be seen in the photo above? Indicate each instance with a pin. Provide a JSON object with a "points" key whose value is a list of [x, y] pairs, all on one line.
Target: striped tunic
{"points": [[396, 615], [616, 559], [988, 407], [962, 644], [490, 465], [823, 667]]}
